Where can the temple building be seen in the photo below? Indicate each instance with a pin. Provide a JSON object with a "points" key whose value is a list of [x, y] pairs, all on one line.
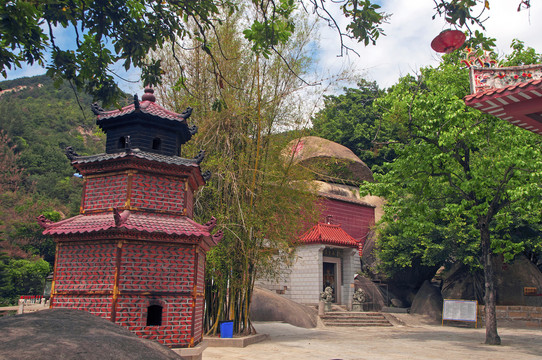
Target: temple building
{"points": [[328, 254], [513, 94], [134, 255]]}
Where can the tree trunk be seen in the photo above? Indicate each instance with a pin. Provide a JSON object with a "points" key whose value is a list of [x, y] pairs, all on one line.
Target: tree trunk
{"points": [[490, 297]]}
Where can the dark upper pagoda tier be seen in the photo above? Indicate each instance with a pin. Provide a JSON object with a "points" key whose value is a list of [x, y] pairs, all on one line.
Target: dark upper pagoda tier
{"points": [[145, 125]]}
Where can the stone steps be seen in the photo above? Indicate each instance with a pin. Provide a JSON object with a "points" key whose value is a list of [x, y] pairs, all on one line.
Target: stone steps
{"points": [[354, 319]]}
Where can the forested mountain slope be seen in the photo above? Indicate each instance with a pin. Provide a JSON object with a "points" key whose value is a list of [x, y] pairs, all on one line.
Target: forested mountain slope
{"points": [[37, 122]]}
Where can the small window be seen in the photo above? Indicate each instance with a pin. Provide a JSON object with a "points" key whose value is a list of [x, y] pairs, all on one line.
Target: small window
{"points": [[154, 315], [122, 143], [156, 144]]}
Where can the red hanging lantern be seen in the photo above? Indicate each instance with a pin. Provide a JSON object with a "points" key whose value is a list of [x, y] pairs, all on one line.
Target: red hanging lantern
{"points": [[448, 41]]}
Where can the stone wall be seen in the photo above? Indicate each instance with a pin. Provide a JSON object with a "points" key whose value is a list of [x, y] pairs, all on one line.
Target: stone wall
{"points": [[307, 275], [524, 315]]}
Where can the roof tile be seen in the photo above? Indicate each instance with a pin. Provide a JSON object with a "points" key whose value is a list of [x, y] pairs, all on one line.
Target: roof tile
{"points": [[145, 107], [331, 234], [151, 223], [174, 160]]}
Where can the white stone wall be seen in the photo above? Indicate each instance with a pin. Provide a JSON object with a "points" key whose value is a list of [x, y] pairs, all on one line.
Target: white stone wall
{"points": [[351, 266], [307, 275], [302, 282], [281, 285]]}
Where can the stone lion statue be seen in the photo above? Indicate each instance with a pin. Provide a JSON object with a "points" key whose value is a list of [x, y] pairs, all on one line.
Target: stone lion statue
{"points": [[327, 295], [359, 296]]}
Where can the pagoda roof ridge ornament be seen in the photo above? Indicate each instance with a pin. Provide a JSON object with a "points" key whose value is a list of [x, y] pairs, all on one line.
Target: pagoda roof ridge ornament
{"points": [[148, 94], [210, 224]]}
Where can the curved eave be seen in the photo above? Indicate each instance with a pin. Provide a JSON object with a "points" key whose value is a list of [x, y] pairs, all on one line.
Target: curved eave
{"points": [[519, 104], [328, 234], [136, 222]]}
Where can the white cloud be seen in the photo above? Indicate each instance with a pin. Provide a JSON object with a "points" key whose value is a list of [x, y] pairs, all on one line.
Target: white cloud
{"points": [[406, 46]]}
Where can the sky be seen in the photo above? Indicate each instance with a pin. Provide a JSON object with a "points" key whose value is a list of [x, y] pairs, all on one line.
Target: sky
{"points": [[406, 46]]}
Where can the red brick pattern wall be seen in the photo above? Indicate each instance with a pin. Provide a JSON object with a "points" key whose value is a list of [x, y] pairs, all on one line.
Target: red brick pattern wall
{"points": [[201, 272], [176, 319], [355, 219], [105, 192], [96, 305], [85, 267], [190, 203], [198, 326], [157, 268], [153, 192]]}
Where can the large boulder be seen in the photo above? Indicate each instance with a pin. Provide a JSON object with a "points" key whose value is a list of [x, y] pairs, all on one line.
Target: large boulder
{"points": [[331, 160], [73, 334], [269, 306], [512, 278], [428, 302], [460, 283], [374, 295]]}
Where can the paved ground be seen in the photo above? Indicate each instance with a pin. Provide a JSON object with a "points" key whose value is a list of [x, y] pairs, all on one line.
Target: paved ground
{"points": [[414, 340]]}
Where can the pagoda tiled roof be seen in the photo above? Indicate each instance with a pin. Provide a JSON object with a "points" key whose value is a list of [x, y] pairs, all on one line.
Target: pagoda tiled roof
{"points": [[145, 107], [143, 222], [173, 160], [330, 234]]}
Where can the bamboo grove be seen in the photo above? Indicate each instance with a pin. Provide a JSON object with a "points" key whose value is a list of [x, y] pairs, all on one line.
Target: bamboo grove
{"points": [[247, 110]]}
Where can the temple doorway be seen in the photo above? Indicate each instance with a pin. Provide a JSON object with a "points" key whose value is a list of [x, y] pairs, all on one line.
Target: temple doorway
{"points": [[332, 277]]}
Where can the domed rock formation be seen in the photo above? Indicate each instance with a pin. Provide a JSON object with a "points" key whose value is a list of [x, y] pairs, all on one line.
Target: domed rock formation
{"points": [[331, 162]]}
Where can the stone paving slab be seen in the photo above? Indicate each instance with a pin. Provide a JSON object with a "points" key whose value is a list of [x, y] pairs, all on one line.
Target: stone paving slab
{"points": [[419, 342]]}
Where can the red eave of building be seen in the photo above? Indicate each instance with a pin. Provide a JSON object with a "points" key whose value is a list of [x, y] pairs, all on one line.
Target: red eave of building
{"points": [[145, 222], [146, 107], [330, 234], [513, 103]]}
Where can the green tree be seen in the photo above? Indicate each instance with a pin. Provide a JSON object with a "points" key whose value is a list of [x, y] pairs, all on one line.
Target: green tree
{"points": [[350, 119], [460, 182], [240, 102], [24, 277]]}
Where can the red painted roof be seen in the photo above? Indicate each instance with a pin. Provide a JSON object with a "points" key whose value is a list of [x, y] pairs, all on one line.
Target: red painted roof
{"points": [[151, 223], [510, 103], [146, 107], [330, 234]]}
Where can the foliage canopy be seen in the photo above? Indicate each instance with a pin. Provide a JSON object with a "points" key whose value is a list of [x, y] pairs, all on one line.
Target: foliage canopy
{"points": [[461, 182]]}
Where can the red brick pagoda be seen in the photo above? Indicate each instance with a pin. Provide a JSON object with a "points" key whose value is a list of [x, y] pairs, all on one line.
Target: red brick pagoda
{"points": [[134, 255]]}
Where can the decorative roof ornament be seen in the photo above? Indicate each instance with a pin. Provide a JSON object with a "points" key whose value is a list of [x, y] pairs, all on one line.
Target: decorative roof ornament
{"points": [[120, 218], [70, 153], [148, 95], [186, 114], [193, 130], [44, 222], [96, 109], [473, 58], [199, 158], [136, 102], [448, 41], [210, 224]]}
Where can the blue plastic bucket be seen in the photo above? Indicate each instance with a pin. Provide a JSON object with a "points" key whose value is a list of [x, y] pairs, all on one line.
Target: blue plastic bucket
{"points": [[226, 329]]}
